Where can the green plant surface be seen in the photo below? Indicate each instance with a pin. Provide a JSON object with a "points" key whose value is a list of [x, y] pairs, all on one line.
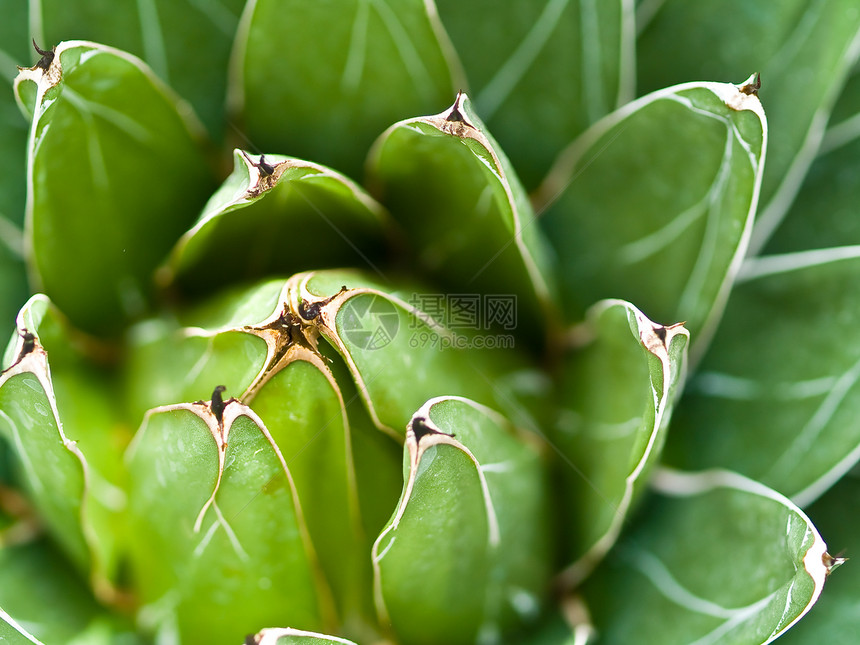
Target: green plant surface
{"points": [[673, 248], [123, 133], [404, 323], [654, 589], [612, 436]]}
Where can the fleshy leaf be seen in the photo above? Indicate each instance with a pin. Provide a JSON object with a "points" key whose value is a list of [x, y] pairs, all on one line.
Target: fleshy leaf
{"points": [[187, 43], [331, 93], [715, 558], [561, 65], [400, 356], [794, 44], [312, 411], [777, 395], [288, 636], [654, 203], [617, 398], [115, 176], [834, 618], [466, 556], [277, 216], [49, 417], [470, 223], [213, 503]]}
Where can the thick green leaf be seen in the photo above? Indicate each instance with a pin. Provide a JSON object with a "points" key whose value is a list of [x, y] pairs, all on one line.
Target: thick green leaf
{"points": [[321, 80], [212, 502], [115, 176], [41, 593], [835, 618], [186, 42], [311, 409], [400, 355], [654, 203], [277, 216], [777, 395], [466, 556], [288, 636], [617, 397], [58, 417], [306, 414], [803, 50], [561, 65], [715, 558], [468, 219]]}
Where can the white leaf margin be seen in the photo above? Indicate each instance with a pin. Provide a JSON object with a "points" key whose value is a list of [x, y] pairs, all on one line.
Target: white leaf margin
{"points": [[675, 483]]}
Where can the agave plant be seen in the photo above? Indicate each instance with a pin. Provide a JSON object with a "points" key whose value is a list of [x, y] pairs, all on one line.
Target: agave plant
{"points": [[543, 338]]}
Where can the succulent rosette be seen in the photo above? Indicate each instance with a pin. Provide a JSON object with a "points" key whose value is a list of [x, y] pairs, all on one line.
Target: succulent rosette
{"points": [[429, 322]]}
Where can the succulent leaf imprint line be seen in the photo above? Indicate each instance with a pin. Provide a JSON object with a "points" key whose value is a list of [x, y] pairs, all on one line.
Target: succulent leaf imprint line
{"points": [[498, 89], [721, 385], [153, 38], [117, 119], [98, 166], [781, 198], [592, 87], [674, 483], [352, 71], [421, 79], [691, 293], [656, 571], [813, 428], [759, 267]]}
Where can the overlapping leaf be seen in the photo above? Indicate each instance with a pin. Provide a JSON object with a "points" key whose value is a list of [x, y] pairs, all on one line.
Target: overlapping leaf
{"points": [[803, 50], [466, 555], [277, 216], [777, 394], [53, 410], [616, 401], [715, 558], [654, 203], [448, 183], [318, 80], [541, 72], [835, 619], [387, 339], [108, 137], [231, 542], [187, 43]]}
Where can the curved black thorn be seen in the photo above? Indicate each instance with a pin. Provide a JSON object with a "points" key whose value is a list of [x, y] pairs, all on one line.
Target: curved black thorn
{"points": [[47, 56], [421, 428], [218, 404]]}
